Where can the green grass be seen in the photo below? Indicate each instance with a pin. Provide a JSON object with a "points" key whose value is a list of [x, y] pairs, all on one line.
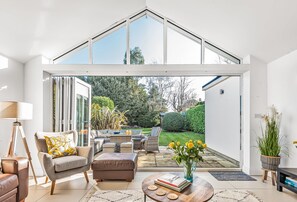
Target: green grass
{"points": [[166, 137]]}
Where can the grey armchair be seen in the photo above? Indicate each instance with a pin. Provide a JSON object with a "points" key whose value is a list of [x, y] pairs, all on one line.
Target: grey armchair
{"points": [[151, 143], [61, 167]]}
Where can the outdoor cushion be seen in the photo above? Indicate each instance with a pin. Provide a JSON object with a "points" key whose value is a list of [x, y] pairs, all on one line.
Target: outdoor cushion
{"points": [[69, 162], [59, 146], [126, 145]]}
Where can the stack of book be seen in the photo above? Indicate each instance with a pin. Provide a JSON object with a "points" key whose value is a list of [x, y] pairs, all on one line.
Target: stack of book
{"points": [[173, 182], [291, 182]]}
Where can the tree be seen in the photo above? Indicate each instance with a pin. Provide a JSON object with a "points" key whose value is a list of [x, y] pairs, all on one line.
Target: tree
{"points": [[127, 94], [103, 101], [136, 56], [181, 94], [159, 89]]}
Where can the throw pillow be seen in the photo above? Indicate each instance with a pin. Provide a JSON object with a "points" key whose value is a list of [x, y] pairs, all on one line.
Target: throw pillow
{"points": [[58, 146]]}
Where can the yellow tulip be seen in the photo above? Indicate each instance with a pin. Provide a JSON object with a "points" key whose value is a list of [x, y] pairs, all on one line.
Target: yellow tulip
{"points": [[190, 145], [204, 145], [177, 143], [199, 142], [171, 144]]}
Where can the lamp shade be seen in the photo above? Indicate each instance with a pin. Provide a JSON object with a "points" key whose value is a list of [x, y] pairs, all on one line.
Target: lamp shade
{"points": [[16, 110]]}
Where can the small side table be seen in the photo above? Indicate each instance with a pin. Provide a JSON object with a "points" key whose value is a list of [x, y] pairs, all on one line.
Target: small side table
{"points": [[273, 176], [282, 173]]}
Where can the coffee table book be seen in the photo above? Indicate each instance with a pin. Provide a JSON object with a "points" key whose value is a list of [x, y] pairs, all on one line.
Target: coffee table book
{"points": [[178, 189], [172, 180]]}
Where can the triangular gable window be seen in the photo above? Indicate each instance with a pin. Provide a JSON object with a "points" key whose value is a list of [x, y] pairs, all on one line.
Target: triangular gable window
{"points": [[150, 39]]}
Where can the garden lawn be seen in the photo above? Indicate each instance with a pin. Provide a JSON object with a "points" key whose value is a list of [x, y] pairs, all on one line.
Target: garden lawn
{"points": [[167, 137]]}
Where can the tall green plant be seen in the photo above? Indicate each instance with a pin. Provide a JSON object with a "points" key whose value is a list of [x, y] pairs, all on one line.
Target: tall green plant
{"points": [[105, 118], [269, 143]]}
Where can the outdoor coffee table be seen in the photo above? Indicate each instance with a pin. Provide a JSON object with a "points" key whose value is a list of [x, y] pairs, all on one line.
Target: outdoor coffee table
{"points": [[199, 191]]}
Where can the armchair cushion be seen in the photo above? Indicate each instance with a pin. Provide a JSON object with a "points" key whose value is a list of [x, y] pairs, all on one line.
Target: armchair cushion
{"points": [[69, 162]]}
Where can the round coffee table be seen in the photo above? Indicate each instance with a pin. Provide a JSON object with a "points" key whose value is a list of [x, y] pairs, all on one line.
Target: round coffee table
{"points": [[200, 190]]}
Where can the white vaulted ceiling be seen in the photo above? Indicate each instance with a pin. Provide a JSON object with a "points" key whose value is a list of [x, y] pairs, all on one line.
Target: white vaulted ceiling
{"points": [[266, 29]]}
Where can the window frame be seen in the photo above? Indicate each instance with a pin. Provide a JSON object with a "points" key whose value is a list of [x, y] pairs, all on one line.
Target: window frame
{"points": [[167, 23]]}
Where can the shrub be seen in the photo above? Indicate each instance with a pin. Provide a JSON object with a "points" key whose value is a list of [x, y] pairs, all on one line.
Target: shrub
{"points": [[195, 118], [105, 118], [103, 101], [149, 120], [173, 121]]}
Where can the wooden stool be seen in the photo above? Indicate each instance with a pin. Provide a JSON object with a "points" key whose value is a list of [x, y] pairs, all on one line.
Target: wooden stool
{"points": [[273, 176]]}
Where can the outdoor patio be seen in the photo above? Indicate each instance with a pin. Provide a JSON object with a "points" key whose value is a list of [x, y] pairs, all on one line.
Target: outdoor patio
{"points": [[164, 159]]}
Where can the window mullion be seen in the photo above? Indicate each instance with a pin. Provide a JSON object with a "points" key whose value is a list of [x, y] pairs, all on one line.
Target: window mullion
{"points": [[165, 41], [90, 47], [202, 51], [128, 41]]}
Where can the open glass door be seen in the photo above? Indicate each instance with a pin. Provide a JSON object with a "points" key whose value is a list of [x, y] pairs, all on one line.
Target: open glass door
{"points": [[82, 112]]}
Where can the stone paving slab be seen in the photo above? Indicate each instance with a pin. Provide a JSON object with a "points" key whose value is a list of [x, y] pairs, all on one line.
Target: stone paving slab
{"points": [[164, 159]]}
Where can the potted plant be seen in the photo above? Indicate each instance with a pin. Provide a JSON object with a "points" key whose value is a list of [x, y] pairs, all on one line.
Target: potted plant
{"points": [[269, 144], [188, 155]]}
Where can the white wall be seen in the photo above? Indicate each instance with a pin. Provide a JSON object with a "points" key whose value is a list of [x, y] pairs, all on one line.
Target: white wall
{"points": [[254, 104], [33, 93], [12, 77], [222, 117], [282, 92]]}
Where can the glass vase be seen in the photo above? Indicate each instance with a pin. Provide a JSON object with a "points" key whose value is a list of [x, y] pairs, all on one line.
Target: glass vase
{"points": [[189, 168]]}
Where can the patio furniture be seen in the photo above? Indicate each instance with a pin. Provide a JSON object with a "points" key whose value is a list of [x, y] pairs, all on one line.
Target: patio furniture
{"points": [[115, 166], [57, 168], [120, 138], [151, 143], [109, 147], [126, 147], [14, 179]]}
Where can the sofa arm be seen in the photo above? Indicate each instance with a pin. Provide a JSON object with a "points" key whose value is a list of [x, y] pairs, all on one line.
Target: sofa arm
{"points": [[85, 152], [47, 164], [20, 167]]}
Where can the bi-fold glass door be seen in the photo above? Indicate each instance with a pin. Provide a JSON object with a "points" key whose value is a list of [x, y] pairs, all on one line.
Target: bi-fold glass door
{"points": [[72, 107]]}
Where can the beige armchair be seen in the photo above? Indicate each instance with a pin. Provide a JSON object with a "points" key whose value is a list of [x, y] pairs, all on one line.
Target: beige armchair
{"points": [[58, 168], [151, 143]]}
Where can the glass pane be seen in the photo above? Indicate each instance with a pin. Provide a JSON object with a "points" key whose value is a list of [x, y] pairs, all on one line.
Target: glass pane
{"points": [[146, 41], [181, 49], [80, 56], [212, 57], [110, 49], [82, 119]]}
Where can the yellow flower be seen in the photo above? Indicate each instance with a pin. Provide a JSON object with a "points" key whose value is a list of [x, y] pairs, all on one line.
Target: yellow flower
{"points": [[204, 145], [190, 145], [199, 142], [177, 143], [191, 141], [171, 144]]}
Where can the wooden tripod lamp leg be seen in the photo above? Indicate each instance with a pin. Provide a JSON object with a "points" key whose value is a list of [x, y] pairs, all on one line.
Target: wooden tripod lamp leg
{"points": [[28, 152]]}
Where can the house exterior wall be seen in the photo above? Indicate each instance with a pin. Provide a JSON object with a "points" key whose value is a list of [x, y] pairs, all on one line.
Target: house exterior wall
{"points": [[222, 117], [282, 92]]}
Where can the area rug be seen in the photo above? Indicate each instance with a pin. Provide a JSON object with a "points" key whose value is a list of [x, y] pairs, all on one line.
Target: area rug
{"points": [[235, 196], [231, 176], [137, 196]]}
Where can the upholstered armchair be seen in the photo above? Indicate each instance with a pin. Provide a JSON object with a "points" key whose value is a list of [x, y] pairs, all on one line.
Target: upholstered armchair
{"points": [[151, 143], [57, 168]]}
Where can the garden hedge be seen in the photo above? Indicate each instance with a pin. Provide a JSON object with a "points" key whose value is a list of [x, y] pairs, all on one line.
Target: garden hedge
{"points": [[195, 119], [173, 122], [103, 101]]}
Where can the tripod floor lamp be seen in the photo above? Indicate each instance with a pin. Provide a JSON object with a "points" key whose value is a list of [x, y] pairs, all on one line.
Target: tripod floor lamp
{"points": [[17, 111]]}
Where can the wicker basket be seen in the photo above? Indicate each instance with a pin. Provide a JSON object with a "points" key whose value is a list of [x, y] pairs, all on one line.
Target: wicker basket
{"points": [[270, 162]]}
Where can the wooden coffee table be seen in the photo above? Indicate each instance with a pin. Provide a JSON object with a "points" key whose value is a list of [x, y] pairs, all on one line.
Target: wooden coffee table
{"points": [[200, 190]]}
